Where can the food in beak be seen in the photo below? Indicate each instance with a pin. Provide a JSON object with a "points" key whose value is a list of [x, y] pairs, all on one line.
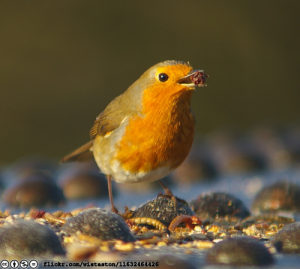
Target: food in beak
{"points": [[198, 78]]}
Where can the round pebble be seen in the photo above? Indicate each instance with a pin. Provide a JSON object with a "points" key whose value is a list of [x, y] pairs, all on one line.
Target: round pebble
{"points": [[282, 195], [36, 190], [239, 251], [83, 181], [162, 209], [287, 240], [99, 223], [24, 238], [219, 204]]}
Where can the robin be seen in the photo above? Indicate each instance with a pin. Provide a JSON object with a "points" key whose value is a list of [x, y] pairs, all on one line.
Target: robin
{"points": [[146, 132]]}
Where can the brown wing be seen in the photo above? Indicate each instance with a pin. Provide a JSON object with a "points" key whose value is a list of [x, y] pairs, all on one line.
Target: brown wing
{"points": [[112, 117], [81, 154]]}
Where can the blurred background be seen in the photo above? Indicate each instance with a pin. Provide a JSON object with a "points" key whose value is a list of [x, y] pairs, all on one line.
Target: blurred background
{"points": [[62, 62]]}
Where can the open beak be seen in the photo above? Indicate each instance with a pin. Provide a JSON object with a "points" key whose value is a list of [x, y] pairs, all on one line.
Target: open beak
{"points": [[195, 78]]}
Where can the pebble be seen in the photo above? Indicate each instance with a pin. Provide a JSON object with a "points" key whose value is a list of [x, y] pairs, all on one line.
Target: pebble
{"points": [[82, 181], [27, 239], [35, 190], [162, 209], [282, 195], [218, 205], [239, 251], [287, 240], [99, 223]]}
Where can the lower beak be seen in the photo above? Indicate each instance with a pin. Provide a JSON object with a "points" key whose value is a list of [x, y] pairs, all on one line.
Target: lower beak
{"points": [[195, 78]]}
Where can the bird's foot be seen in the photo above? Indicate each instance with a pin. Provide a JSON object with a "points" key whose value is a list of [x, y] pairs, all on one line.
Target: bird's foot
{"points": [[169, 196], [127, 214], [114, 209], [173, 198]]}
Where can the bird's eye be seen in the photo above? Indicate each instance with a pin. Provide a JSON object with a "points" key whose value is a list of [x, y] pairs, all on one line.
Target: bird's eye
{"points": [[163, 77]]}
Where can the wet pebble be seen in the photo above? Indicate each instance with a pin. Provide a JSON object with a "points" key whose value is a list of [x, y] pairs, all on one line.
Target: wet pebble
{"points": [[83, 181], [282, 195], [162, 209], [22, 238], [99, 223], [35, 190], [239, 251], [287, 240], [219, 204]]}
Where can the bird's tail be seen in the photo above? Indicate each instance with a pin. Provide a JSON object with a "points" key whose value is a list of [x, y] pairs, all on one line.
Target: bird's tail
{"points": [[84, 153]]}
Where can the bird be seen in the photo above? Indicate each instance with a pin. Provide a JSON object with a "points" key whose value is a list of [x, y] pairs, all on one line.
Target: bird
{"points": [[146, 132]]}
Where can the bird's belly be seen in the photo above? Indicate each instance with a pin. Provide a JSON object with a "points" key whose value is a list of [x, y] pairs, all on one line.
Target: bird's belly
{"points": [[140, 153], [121, 175]]}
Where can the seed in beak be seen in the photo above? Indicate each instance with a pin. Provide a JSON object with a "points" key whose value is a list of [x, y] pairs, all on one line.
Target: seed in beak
{"points": [[198, 78]]}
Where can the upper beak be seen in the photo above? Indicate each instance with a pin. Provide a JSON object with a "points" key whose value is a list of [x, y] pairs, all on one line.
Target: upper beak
{"points": [[194, 78]]}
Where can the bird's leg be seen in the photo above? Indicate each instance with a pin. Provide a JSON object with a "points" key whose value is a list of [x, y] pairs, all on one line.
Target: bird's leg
{"points": [[113, 209], [168, 193]]}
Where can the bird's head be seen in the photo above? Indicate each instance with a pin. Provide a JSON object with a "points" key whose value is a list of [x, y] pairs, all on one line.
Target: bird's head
{"points": [[168, 80]]}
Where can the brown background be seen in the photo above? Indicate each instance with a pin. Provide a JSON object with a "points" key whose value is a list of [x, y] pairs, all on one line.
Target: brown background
{"points": [[61, 62]]}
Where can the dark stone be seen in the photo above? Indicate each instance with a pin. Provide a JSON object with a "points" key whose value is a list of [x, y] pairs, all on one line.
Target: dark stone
{"points": [[287, 240], [239, 251], [83, 181], [162, 209], [99, 223], [282, 195], [36, 190], [219, 204], [27, 239]]}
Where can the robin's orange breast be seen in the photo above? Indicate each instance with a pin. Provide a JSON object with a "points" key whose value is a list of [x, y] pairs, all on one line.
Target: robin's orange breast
{"points": [[162, 135]]}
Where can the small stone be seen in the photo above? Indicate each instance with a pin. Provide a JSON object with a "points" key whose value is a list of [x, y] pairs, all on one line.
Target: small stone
{"points": [[99, 223], [287, 240], [282, 195], [162, 209], [36, 190], [29, 239], [83, 181], [239, 251], [218, 205]]}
